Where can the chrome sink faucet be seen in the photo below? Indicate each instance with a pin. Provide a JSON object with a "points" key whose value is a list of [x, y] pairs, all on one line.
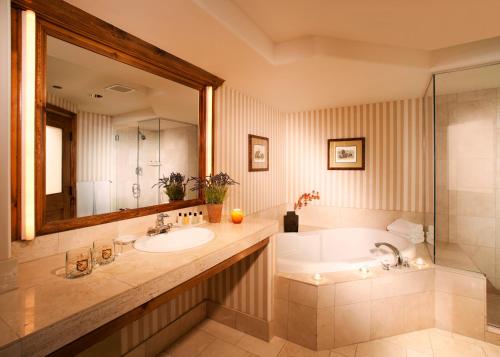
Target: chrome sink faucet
{"points": [[160, 226], [395, 251]]}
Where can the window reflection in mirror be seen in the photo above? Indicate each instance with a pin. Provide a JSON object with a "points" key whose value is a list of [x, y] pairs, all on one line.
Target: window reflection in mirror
{"points": [[112, 131]]}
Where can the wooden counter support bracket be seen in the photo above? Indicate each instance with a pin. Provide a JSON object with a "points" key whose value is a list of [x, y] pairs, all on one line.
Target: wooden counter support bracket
{"points": [[99, 334]]}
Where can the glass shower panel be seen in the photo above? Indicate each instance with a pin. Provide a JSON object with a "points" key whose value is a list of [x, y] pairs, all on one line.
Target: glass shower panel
{"points": [[148, 162], [428, 127], [467, 182]]}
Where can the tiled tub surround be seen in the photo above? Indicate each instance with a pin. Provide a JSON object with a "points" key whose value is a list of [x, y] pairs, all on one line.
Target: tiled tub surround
{"points": [[48, 311], [347, 308]]}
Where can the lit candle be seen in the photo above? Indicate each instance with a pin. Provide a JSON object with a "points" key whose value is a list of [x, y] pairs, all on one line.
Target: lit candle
{"points": [[419, 262], [317, 276], [237, 215]]}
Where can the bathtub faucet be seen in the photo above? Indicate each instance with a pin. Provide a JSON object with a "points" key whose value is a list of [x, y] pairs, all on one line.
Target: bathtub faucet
{"points": [[395, 251]]}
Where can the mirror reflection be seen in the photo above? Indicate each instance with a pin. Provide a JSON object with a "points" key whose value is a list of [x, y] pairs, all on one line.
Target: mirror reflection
{"points": [[112, 131]]}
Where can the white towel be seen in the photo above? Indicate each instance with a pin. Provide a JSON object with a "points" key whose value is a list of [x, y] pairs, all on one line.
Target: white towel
{"points": [[415, 238], [405, 227], [102, 197], [84, 198], [430, 238]]}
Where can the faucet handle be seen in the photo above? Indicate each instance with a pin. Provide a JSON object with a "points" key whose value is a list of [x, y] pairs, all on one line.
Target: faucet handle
{"points": [[160, 218]]}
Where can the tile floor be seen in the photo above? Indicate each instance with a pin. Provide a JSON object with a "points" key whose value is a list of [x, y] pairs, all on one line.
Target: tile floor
{"points": [[211, 338]]}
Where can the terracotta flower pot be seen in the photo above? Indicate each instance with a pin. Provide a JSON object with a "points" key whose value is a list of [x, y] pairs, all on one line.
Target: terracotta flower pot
{"points": [[214, 212]]}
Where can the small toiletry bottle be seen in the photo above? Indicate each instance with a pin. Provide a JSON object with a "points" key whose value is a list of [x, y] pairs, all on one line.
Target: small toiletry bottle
{"points": [[190, 217], [185, 220], [195, 218], [200, 217], [179, 218]]}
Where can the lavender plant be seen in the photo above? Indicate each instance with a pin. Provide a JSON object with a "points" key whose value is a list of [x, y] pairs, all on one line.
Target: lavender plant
{"points": [[214, 186], [174, 185]]}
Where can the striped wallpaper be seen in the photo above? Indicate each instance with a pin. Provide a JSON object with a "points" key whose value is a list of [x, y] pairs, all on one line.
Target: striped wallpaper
{"points": [[236, 116], [94, 142], [244, 287], [140, 330], [61, 103], [393, 178], [95, 147]]}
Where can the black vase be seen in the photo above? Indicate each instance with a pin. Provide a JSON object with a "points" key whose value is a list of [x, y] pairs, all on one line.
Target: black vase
{"points": [[291, 222]]}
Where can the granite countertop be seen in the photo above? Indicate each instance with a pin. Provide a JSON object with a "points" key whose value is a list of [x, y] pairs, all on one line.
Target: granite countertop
{"points": [[48, 311]]}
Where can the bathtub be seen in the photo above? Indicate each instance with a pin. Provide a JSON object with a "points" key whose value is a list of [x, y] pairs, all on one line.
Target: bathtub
{"points": [[331, 250]]}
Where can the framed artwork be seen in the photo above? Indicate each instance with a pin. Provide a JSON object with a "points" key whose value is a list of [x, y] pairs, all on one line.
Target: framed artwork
{"points": [[346, 154], [258, 153]]}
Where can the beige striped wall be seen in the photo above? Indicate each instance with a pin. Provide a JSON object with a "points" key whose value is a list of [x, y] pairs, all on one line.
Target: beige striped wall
{"points": [[244, 287], [393, 178], [95, 147], [236, 116], [61, 103], [140, 330], [94, 142]]}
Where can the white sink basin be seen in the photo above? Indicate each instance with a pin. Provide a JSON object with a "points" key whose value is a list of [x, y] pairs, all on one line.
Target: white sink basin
{"points": [[175, 240]]}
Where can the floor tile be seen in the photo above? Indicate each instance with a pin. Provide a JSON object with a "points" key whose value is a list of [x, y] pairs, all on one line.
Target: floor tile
{"points": [[191, 344], [418, 341], [261, 347], [380, 348], [219, 348], [346, 351], [413, 353], [293, 350], [221, 331]]}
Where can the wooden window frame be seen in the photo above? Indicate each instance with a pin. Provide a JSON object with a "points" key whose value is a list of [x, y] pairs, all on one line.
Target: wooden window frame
{"points": [[66, 22]]}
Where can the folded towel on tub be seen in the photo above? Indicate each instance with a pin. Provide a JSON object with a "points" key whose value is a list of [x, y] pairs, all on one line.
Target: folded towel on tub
{"points": [[403, 226]]}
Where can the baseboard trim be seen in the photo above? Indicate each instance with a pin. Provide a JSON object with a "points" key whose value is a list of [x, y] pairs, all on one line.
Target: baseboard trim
{"points": [[240, 321]]}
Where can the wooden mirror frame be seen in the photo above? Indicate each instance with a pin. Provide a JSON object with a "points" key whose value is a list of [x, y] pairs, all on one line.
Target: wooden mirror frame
{"points": [[66, 22]]}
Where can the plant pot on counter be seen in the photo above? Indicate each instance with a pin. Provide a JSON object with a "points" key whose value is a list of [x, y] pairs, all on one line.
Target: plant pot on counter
{"points": [[214, 212], [291, 222]]}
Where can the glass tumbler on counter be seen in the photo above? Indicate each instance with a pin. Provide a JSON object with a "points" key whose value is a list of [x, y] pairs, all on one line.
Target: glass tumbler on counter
{"points": [[78, 262], [123, 243], [104, 251]]}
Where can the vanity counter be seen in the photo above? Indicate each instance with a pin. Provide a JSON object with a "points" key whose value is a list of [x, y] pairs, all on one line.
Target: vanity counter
{"points": [[48, 311]]}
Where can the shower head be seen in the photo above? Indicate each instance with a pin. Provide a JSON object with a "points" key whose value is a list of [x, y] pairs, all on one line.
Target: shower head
{"points": [[141, 135]]}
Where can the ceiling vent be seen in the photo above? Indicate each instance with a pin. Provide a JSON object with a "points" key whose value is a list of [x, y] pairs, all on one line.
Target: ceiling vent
{"points": [[120, 88]]}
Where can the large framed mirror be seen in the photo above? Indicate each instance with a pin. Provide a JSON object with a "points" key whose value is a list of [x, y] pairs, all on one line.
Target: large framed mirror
{"points": [[110, 122]]}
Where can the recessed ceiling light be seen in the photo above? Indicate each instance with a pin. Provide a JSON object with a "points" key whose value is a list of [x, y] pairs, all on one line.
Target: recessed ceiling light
{"points": [[56, 86], [95, 95]]}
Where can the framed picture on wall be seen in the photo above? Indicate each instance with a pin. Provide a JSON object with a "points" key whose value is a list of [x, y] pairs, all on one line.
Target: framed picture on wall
{"points": [[258, 153], [346, 154]]}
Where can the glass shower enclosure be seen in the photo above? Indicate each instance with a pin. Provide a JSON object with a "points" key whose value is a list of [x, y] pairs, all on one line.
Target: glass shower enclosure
{"points": [[465, 209]]}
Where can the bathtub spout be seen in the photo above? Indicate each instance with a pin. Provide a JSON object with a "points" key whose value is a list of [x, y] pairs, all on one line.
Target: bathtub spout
{"points": [[395, 251]]}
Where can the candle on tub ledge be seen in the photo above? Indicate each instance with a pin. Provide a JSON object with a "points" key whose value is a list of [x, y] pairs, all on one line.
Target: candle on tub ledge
{"points": [[317, 276], [420, 262], [237, 216]]}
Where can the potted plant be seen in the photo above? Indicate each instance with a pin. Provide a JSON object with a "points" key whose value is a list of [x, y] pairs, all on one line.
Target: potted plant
{"points": [[291, 220], [215, 188], [174, 185]]}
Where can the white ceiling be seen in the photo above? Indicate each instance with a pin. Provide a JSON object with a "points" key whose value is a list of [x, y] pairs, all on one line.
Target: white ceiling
{"points": [[81, 73], [305, 54], [421, 24]]}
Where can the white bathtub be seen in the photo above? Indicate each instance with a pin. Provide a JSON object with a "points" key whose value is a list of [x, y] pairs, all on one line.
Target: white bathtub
{"points": [[331, 250]]}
